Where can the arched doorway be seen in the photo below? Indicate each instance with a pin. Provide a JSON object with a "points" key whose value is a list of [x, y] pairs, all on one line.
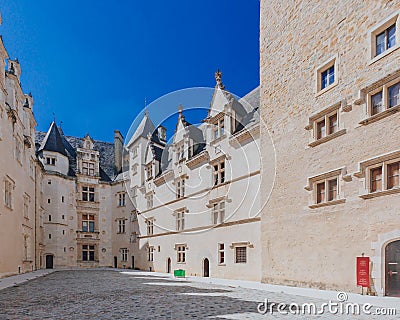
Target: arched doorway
{"points": [[206, 267], [49, 261], [169, 265], [392, 269]]}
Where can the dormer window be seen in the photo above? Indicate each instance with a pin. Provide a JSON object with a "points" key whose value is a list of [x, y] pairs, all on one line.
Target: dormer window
{"points": [[149, 171], [51, 161], [219, 128], [180, 152], [88, 168]]}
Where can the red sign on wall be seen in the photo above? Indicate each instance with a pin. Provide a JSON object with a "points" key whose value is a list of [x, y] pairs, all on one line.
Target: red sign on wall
{"points": [[363, 272]]}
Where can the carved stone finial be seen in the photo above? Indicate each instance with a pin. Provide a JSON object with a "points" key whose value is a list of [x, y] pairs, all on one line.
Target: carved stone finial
{"points": [[218, 79], [149, 136], [180, 110]]}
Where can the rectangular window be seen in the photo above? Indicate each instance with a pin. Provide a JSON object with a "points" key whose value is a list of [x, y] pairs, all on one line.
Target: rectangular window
{"points": [[327, 125], [88, 252], [385, 40], [88, 223], [321, 129], [320, 192], [384, 98], [150, 254], [180, 188], [219, 128], [394, 95], [88, 168], [326, 190], [240, 254], [181, 252], [376, 179], [88, 194], [221, 253], [149, 171], [124, 254], [218, 212], [332, 189], [393, 175], [180, 152], [51, 161], [121, 199], [8, 193], [150, 226], [327, 77], [219, 172], [149, 199], [121, 226], [180, 220]]}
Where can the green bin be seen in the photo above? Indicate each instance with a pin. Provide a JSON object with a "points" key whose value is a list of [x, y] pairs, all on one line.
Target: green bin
{"points": [[179, 273]]}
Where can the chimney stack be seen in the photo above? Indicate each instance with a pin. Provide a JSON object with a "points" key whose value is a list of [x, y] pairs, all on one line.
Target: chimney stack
{"points": [[118, 148]]}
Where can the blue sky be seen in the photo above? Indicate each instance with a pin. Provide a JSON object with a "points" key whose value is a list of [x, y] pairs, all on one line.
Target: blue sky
{"points": [[93, 63]]}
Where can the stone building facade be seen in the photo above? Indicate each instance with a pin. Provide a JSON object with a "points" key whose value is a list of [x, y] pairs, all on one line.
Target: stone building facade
{"points": [[19, 173], [330, 81], [186, 191], [85, 205]]}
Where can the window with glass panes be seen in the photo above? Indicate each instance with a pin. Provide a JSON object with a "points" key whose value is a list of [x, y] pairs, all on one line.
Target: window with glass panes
{"points": [[218, 212], [326, 190], [88, 194], [88, 168], [384, 98], [385, 40], [88, 252], [219, 128], [88, 222], [219, 172], [180, 188], [181, 254]]}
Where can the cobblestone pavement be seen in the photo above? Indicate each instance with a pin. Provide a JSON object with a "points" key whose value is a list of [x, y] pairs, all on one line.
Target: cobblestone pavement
{"points": [[104, 294]]}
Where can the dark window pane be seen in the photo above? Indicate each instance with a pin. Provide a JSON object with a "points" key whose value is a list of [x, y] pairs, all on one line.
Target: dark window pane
{"points": [[380, 43], [391, 36], [376, 103], [394, 95]]}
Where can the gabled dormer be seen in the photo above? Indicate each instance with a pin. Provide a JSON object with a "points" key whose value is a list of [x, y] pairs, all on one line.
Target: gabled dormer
{"points": [[225, 113], [88, 159]]}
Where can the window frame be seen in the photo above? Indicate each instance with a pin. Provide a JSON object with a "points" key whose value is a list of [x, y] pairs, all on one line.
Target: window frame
{"points": [[180, 187], [219, 168], [150, 226], [181, 253], [377, 30], [87, 218], [385, 104], [180, 220], [221, 253], [90, 250], [239, 257], [331, 62], [121, 226], [218, 212], [150, 254], [88, 194]]}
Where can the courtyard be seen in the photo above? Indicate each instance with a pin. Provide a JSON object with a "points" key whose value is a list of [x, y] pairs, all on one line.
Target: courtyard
{"points": [[108, 294]]}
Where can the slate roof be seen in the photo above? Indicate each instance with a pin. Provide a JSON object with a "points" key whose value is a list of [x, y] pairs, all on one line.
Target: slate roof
{"points": [[52, 141], [145, 127], [70, 144]]}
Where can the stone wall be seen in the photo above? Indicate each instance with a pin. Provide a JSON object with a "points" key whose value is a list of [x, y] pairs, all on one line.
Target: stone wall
{"points": [[317, 246]]}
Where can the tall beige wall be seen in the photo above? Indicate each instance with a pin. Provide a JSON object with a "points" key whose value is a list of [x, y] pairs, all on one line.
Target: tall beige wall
{"points": [[317, 246]]}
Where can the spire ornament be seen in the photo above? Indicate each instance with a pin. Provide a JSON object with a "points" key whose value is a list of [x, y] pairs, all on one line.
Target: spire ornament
{"points": [[218, 79]]}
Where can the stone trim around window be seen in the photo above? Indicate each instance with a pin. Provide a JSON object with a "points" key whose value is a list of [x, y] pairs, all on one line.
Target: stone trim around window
{"points": [[382, 86], [341, 177], [379, 28], [331, 62], [364, 173], [325, 116]]}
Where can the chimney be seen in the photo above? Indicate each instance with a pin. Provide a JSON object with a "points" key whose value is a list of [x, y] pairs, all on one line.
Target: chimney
{"points": [[118, 148]]}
